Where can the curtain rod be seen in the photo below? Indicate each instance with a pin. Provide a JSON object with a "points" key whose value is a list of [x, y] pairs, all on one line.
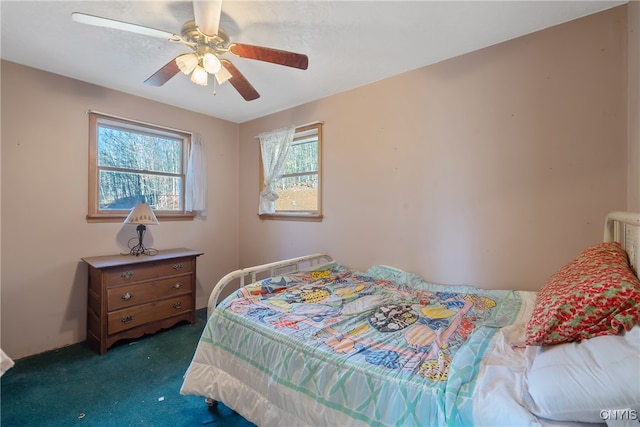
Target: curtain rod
{"points": [[317, 122], [140, 122]]}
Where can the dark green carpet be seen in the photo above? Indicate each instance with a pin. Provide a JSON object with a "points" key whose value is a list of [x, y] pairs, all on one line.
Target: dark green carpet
{"points": [[137, 383]]}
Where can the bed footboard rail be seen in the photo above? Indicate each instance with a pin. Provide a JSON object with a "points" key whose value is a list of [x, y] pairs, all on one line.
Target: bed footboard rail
{"points": [[238, 278]]}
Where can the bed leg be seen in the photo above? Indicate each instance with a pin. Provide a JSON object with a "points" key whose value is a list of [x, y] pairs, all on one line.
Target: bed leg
{"points": [[212, 404]]}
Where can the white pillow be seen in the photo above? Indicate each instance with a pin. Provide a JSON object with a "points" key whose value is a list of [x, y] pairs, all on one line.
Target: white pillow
{"points": [[577, 381]]}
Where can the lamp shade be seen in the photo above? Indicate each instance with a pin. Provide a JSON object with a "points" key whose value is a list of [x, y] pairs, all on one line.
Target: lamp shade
{"points": [[199, 76], [141, 214], [211, 63], [223, 75], [187, 62]]}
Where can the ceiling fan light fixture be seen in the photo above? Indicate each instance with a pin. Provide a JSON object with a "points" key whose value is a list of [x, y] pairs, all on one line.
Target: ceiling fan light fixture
{"points": [[199, 76], [187, 62], [223, 75], [211, 63]]}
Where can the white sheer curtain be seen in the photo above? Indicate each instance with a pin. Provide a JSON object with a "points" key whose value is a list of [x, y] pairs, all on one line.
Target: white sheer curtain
{"points": [[275, 147], [196, 185]]}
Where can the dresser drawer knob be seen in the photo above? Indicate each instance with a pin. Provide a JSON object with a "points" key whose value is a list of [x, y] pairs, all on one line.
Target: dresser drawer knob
{"points": [[177, 305], [177, 285], [178, 266], [127, 319], [127, 296], [127, 275]]}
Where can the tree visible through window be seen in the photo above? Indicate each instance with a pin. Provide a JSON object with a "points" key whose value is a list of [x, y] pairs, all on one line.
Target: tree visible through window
{"points": [[133, 163], [299, 188]]}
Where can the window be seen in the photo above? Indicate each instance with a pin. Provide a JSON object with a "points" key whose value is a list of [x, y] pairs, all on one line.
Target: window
{"points": [[299, 188], [131, 162]]}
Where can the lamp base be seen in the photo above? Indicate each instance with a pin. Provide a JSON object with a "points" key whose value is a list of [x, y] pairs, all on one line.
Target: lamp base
{"points": [[140, 249]]}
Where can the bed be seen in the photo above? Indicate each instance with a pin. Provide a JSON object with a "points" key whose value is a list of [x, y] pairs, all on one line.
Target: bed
{"points": [[308, 341]]}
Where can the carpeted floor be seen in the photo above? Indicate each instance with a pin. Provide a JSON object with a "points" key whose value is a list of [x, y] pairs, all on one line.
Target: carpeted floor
{"points": [[137, 383]]}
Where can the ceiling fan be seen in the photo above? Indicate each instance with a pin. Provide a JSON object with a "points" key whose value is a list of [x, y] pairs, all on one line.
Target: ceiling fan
{"points": [[208, 42]]}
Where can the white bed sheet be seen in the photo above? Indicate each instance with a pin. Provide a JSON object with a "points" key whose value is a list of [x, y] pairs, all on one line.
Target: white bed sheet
{"points": [[501, 391]]}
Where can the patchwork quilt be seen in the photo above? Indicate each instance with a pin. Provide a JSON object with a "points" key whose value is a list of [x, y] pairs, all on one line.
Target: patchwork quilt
{"points": [[335, 346]]}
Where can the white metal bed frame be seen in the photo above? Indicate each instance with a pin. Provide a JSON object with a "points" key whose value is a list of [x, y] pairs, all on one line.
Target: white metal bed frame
{"points": [[264, 270], [624, 227]]}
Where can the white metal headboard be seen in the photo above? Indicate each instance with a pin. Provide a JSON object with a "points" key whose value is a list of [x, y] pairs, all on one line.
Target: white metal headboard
{"points": [[237, 279], [624, 227]]}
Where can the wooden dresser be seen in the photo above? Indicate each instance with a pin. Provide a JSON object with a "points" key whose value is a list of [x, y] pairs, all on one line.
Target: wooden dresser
{"points": [[130, 296]]}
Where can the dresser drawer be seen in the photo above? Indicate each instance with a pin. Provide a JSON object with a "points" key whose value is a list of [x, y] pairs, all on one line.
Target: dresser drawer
{"points": [[149, 270], [139, 293], [141, 314]]}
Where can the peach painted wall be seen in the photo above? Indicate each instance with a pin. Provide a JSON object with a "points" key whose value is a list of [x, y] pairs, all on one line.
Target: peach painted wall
{"points": [[492, 169], [44, 204]]}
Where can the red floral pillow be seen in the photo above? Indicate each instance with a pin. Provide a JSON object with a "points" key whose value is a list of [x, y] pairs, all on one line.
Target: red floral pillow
{"points": [[595, 294]]}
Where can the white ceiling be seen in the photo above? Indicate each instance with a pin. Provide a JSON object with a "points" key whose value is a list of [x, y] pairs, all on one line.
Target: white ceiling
{"points": [[349, 43]]}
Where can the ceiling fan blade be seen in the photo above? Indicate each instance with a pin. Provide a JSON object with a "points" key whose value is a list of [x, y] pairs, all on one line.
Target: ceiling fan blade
{"points": [[275, 56], [83, 18], [239, 82], [164, 74], [207, 16]]}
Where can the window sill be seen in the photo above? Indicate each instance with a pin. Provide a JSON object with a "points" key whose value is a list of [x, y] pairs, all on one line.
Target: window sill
{"points": [[292, 216], [120, 218]]}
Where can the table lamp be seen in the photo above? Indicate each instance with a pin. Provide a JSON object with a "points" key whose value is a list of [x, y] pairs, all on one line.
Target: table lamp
{"points": [[142, 215]]}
